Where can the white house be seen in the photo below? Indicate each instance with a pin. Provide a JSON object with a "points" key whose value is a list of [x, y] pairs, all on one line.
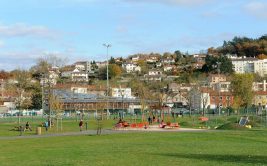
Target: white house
{"points": [[168, 68], [152, 59], [154, 72], [154, 75], [51, 79], [168, 60], [83, 66], [79, 90], [131, 67], [78, 75], [122, 92], [135, 58]]}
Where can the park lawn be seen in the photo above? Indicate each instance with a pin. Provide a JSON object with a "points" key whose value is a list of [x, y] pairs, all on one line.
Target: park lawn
{"points": [[71, 124], [144, 148], [68, 125]]}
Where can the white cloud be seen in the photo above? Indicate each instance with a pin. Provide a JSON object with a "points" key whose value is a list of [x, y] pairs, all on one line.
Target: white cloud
{"points": [[257, 8], [20, 59], [174, 2], [24, 30]]}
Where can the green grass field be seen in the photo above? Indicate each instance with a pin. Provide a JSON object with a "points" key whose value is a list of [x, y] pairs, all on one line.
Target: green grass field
{"points": [[231, 146], [150, 148], [7, 125]]}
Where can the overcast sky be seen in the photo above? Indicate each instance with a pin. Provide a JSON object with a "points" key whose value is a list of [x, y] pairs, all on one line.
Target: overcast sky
{"points": [[76, 29]]}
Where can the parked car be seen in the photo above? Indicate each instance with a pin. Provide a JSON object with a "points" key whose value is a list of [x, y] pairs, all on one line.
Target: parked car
{"points": [[6, 114], [18, 114]]}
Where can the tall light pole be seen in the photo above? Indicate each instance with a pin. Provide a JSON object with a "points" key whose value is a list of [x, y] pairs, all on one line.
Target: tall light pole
{"points": [[107, 46], [219, 71]]}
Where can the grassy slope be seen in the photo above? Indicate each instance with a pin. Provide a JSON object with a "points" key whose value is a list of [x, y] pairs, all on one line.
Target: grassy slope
{"points": [[208, 148]]}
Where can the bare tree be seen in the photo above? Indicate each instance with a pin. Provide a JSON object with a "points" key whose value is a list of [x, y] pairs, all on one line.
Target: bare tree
{"points": [[19, 87], [204, 101]]}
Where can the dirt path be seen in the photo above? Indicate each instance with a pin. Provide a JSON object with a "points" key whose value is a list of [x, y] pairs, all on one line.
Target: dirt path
{"points": [[104, 132]]}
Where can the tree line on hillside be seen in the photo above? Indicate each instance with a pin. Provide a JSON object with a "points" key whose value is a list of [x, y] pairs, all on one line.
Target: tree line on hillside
{"points": [[242, 46]]}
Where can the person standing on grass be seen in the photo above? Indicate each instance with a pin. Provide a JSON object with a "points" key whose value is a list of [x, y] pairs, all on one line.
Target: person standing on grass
{"points": [[27, 126], [46, 125], [81, 124]]}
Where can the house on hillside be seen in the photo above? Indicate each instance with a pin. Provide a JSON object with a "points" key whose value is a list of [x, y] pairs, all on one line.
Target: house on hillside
{"points": [[66, 74], [135, 58], [260, 98], [167, 68], [168, 60], [216, 78], [121, 92], [50, 78], [154, 75], [154, 72], [260, 86], [199, 57], [224, 99], [101, 64], [79, 76], [131, 67], [152, 59], [83, 66], [79, 89]]}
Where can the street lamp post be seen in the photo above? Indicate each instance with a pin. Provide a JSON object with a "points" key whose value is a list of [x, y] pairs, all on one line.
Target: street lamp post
{"points": [[107, 47], [219, 88]]}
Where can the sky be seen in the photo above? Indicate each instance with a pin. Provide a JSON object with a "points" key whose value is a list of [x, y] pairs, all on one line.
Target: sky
{"points": [[77, 29]]}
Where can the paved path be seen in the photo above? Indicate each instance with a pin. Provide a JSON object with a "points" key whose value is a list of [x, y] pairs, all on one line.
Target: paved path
{"points": [[104, 132]]}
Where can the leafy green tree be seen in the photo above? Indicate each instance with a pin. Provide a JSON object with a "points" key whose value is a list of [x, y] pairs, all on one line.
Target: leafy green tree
{"points": [[144, 66], [178, 56], [112, 61], [243, 46], [113, 71], [212, 62], [36, 96], [241, 87]]}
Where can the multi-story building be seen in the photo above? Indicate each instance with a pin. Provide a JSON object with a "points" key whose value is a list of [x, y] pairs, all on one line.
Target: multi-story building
{"points": [[250, 65]]}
